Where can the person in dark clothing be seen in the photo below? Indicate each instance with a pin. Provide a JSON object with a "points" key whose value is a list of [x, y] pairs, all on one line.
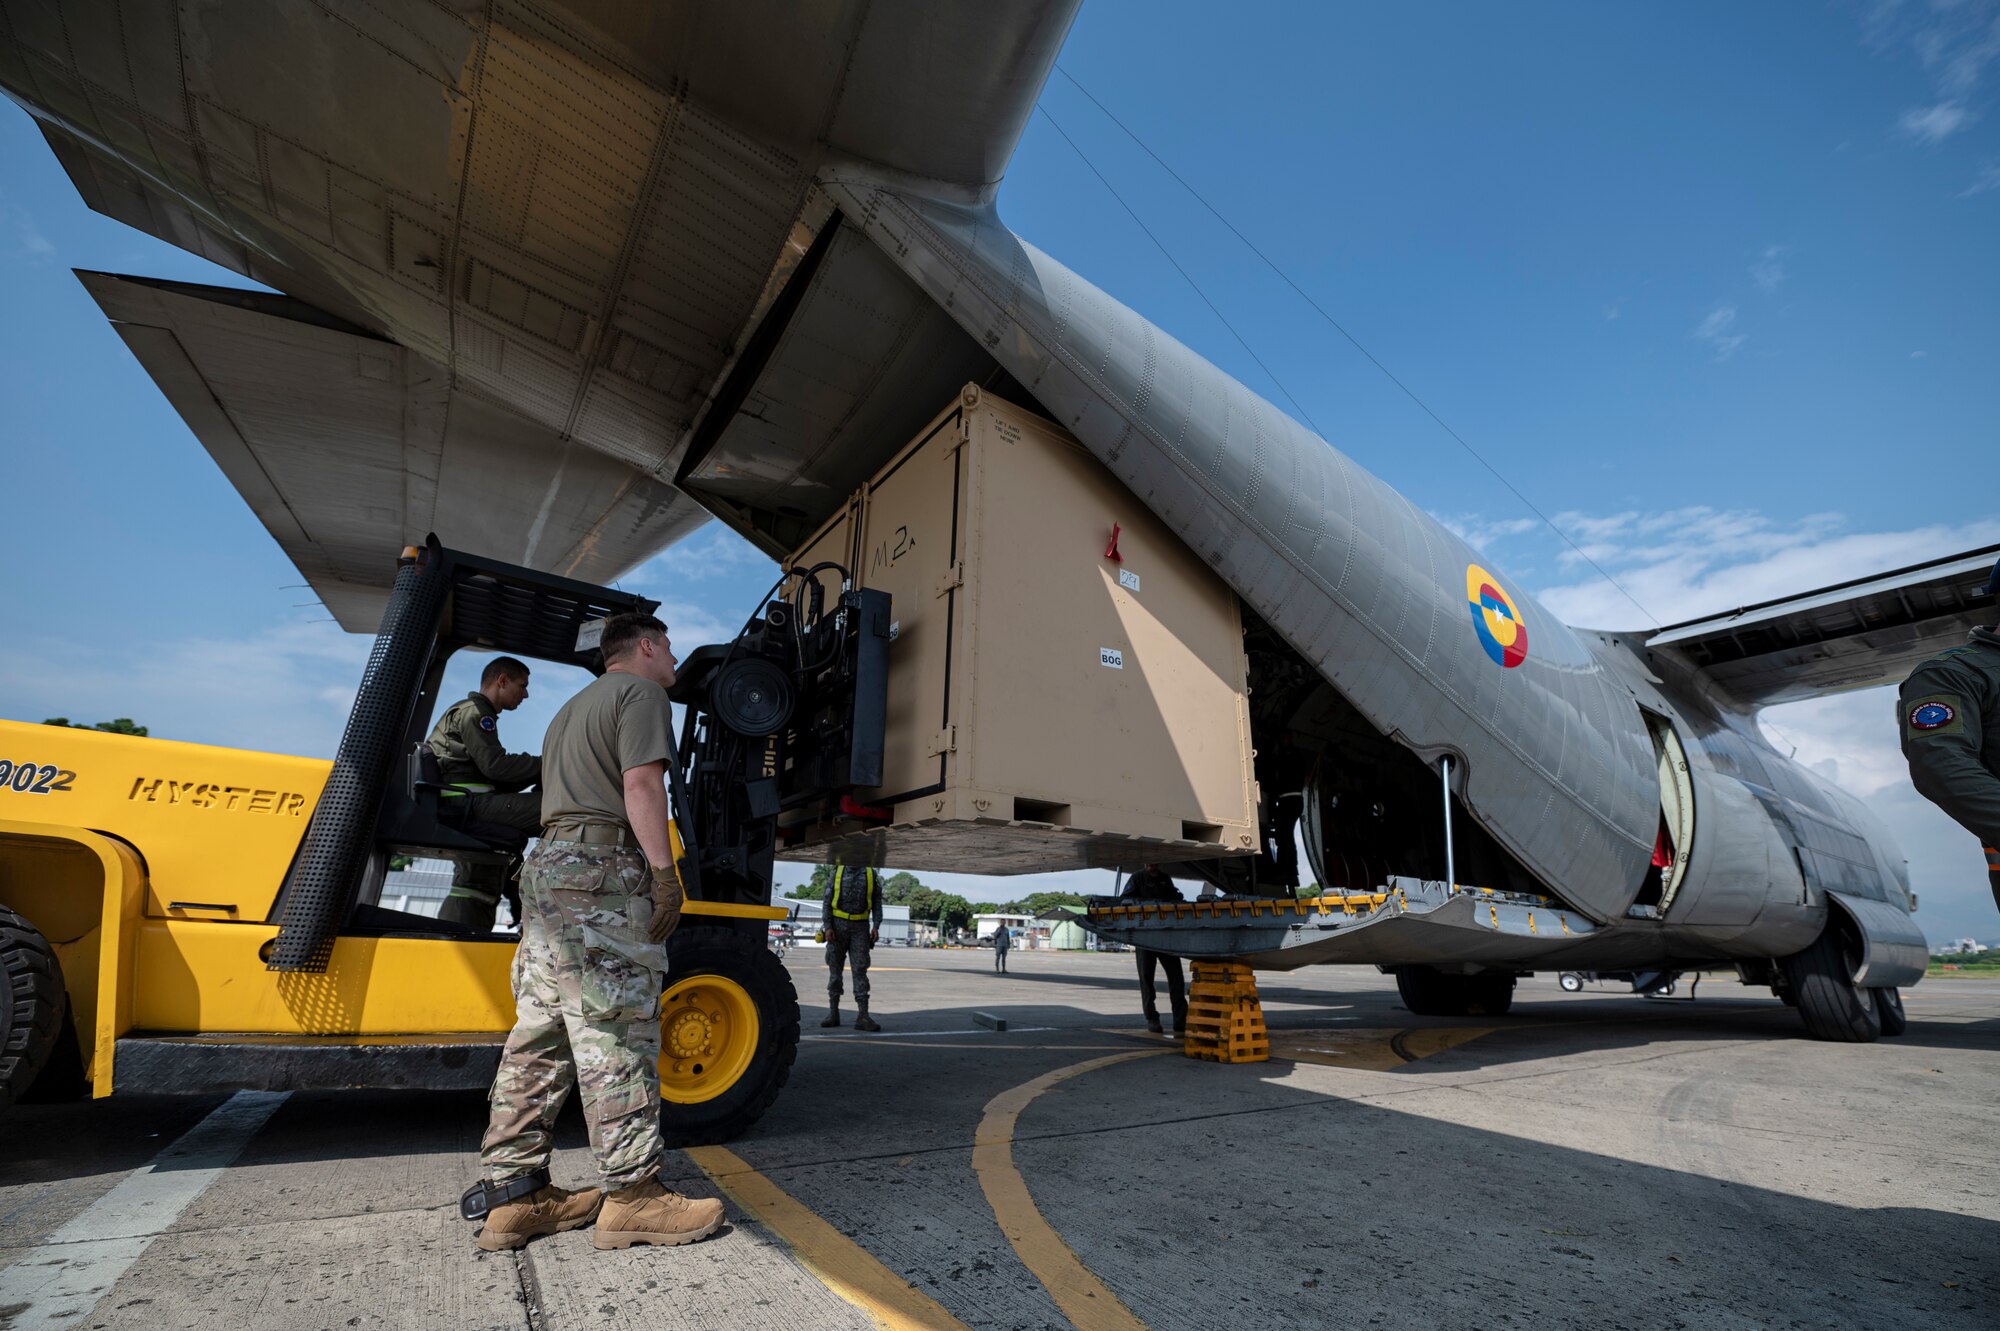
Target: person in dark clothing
{"points": [[1948, 711], [1003, 943], [1151, 883]]}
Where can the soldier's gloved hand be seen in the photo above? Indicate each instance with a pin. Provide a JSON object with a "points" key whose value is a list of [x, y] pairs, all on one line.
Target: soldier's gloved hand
{"points": [[666, 904], [874, 936]]}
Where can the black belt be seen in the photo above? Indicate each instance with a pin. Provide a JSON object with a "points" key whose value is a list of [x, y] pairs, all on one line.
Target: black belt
{"points": [[591, 834]]}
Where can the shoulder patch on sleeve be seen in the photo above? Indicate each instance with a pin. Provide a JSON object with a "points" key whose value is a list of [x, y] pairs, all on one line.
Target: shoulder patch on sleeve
{"points": [[487, 724], [1938, 714]]}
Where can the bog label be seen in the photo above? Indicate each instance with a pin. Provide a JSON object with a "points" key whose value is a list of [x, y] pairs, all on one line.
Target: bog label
{"points": [[1112, 657]]}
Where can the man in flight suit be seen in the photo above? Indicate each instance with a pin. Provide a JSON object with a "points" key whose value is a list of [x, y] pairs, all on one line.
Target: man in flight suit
{"points": [[600, 896], [1949, 714], [853, 923], [466, 741]]}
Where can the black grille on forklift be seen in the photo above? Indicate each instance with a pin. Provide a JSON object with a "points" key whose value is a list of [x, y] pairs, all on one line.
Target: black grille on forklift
{"points": [[322, 883]]}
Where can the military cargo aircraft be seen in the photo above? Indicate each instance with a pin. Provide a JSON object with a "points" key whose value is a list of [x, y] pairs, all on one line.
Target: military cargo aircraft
{"points": [[561, 279]]}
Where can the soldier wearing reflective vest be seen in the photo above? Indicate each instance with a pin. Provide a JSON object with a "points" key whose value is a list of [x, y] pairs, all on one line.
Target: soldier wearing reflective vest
{"points": [[853, 906]]}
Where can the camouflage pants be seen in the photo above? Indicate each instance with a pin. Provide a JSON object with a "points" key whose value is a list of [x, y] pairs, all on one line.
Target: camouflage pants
{"points": [[587, 989], [845, 939]]}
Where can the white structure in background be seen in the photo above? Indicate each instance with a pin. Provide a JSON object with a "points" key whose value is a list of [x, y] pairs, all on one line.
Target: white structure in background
{"points": [[420, 889], [1028, 931], [807, 916], [1962, 945]]}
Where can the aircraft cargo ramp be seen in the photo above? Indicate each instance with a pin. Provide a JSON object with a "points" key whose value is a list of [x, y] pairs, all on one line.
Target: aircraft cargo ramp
{"points": [[1399, 925]]}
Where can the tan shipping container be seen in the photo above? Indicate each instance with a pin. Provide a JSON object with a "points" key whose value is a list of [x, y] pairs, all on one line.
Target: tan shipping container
{"points": [[1050, 706]]}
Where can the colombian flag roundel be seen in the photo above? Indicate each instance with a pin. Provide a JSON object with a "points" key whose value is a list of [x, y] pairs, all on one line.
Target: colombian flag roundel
{"points": [[1495, 619]]}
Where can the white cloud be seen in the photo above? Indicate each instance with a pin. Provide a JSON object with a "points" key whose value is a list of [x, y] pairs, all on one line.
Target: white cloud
{"points": [[1919, 354], [712, 552], [1987, 179], [1767, 272], [1695, 561], [1954, 42], [1934, 124], [1479, 532], [1718, 330], [285, 689]]}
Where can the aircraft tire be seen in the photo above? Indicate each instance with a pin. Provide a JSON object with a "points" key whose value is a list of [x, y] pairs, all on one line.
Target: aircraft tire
{"points": [[1831, 1004], [1889, 1009], [1430, 992], [32, 1004], [725, 967], [1571, 982]]}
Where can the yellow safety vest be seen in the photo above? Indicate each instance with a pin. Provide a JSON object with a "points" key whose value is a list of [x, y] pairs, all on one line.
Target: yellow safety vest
{"points": [[868, 898]]}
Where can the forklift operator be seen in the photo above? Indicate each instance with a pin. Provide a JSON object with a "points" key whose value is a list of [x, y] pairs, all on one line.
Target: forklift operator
{"points": [[466, 741]]}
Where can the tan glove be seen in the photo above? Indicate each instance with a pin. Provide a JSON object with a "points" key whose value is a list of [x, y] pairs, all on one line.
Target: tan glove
{"points": [[666, 904]]}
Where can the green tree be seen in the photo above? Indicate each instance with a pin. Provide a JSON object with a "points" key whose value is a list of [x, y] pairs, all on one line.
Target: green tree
{"points": [[898, 888], [932, 906], [814, 888], [122, 726], [1037, 902]]}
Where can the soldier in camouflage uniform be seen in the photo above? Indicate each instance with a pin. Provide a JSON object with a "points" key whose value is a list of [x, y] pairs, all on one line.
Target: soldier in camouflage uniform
{"points": [[853, 906], [470, 756], [600, 897], [1949, 715]]}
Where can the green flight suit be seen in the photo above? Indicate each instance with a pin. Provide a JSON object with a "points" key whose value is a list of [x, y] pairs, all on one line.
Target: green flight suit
{"points": [[1948, 712], [466, 741]]}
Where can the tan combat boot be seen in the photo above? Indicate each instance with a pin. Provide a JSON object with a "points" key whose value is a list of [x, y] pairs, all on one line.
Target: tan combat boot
{"points": [[650, 1213], [549, 1210]]}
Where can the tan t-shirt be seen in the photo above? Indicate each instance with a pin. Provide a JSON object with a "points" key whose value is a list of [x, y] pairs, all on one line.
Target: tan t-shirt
{"points": [[616, 723]]}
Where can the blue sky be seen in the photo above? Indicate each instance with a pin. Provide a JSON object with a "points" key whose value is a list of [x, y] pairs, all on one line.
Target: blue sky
{"points": [[1713, 284]]}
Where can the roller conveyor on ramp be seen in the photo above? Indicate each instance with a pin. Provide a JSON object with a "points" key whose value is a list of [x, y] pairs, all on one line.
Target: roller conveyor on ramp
{"points": [[1398, 925]]}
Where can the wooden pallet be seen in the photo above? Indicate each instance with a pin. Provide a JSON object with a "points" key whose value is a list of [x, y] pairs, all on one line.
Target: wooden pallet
{"points": [[1225, 1018]]}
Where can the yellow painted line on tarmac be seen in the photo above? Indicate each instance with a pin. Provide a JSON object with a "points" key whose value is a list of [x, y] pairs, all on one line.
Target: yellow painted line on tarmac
{"points": [[1084, 1299], [839, 1263]]}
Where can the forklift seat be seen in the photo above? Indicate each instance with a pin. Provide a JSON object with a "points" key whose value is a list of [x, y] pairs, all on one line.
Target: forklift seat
{"points": [[435, 813]]}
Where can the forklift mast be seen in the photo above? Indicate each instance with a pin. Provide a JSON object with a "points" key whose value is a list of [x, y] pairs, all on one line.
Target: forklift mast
{"points": [[792, 711]]}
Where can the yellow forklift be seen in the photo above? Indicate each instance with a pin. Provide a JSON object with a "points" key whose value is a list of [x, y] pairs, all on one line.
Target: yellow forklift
{"points": [[182, 918]]}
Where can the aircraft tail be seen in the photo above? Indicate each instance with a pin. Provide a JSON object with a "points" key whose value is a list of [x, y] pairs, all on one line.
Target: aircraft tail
{"points": [[1852, 635]]}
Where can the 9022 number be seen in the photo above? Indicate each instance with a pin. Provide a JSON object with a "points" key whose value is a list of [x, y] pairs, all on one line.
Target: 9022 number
{"points": [[34, 778]]}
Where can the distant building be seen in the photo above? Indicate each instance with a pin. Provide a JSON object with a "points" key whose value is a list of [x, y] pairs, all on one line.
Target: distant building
{"points": [[1028, 931], [1962, 945]]}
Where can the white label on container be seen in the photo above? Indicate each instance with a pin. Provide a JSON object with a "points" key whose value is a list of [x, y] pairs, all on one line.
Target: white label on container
{"points": [[895, 627], [1128, 579], [1111, 656]]}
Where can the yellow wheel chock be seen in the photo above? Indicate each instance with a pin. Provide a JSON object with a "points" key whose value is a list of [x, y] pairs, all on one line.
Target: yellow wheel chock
{"points": [[1225, 1019]]}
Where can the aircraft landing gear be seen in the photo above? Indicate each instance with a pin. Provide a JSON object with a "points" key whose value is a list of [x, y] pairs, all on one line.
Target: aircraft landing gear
{"points": [[1889, 1008], [1571, 982], [1832, 1005], [1430, 992]]}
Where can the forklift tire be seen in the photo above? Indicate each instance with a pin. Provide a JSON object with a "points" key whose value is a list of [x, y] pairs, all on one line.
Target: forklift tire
{"points": [[1430, 992], [1889, 1009], [1832, 1005], [729, 1031], [31, 1006]]}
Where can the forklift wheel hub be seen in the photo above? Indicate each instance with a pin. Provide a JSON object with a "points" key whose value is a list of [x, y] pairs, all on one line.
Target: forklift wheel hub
{"points": [[708, 1037]]}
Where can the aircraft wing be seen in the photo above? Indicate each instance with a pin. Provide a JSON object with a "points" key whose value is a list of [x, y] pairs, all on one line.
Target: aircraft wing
{"points": [[1853, 635], [554, 226], [348, 447]]}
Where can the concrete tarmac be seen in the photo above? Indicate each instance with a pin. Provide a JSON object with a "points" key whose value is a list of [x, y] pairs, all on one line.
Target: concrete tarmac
{"points": [[1593, 1160]]}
